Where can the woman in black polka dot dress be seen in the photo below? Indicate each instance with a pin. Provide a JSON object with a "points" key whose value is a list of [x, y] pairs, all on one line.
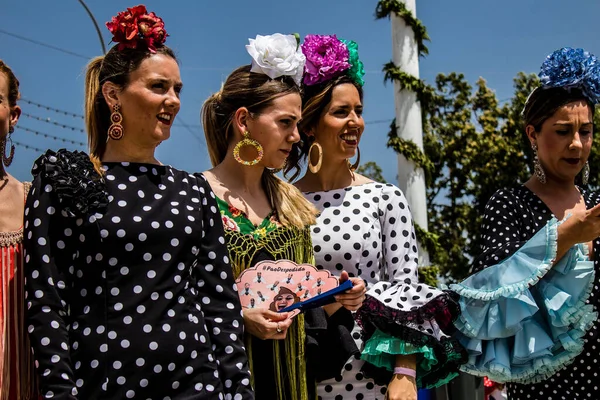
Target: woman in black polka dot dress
{"points": [[365, 228], [529, 312], [129, 289]]}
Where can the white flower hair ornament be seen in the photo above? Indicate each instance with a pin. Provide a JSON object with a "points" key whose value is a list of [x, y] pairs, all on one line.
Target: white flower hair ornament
{"points": [[277, 55]]}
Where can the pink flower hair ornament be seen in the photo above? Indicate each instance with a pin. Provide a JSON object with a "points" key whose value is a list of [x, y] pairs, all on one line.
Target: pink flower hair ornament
{"points": [[328, 57]]}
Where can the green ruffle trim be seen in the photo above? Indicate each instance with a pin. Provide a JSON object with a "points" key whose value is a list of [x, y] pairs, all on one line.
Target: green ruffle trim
{"points": [[381, 350]]}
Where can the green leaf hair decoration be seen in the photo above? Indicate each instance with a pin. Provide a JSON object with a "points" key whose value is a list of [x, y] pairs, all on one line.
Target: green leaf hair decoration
{"points": [[357, 69]]}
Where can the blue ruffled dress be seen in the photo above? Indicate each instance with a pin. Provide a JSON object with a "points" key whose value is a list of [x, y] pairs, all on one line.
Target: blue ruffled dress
{"points": [[524, 318]]}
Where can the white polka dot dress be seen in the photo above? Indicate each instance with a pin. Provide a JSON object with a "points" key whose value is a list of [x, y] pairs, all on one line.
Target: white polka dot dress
{"points": [[367, 230], [129, 292], [512, 217]]}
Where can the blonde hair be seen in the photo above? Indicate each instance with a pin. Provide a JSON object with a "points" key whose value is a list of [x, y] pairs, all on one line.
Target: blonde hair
{"points": [[115, 66], [255, 92]]}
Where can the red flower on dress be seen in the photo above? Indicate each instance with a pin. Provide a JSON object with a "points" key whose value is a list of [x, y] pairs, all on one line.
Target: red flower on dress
{"points": [[234, 211], [135, 26]]}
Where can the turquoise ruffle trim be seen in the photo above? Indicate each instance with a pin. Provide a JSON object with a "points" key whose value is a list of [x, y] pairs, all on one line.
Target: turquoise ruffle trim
{"points": [[524, 318], [381, 350]]}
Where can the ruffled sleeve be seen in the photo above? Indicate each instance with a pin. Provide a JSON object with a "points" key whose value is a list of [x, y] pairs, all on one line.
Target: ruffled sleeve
{"points": [[401, 315], [63, 190], [524, 316]]}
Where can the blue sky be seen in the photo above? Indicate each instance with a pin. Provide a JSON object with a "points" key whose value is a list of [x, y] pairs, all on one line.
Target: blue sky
{"points": [[491, 39]]}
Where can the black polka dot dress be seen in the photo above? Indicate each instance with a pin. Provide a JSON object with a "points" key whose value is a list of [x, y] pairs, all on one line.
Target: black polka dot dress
{"points": [[512, 218], [367, 230], [129, 290]]}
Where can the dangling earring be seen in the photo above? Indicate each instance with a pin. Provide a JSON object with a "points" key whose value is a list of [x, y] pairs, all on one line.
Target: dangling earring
{"points": [[247, 141], [353, 167], [115, 131], [586, 173], [315, 168], [537, 166], [8, 160]]}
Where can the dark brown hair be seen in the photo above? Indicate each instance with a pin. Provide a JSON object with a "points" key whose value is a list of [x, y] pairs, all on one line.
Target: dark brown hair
{"points": [[13, 84], [116, 66], [314, 100], [543, 103], [256, 92]]}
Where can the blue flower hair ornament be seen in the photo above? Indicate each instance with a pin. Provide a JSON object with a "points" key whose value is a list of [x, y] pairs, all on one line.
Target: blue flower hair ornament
{"points": [[572, 68]]}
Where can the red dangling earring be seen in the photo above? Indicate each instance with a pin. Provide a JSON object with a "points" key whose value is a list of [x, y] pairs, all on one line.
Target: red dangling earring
{"points": [[115, 131]]}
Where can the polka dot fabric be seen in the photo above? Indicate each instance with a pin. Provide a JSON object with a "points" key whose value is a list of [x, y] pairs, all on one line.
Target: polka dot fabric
{"points": [[136, 300], [367, 230], [512, 217]]}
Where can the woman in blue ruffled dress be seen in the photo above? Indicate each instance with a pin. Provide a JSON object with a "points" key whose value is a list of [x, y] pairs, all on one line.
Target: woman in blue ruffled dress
{"points": [[529, 311]]}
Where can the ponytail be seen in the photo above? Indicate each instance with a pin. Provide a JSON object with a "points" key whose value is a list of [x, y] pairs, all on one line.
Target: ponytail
{"points": [[212, 124], [96, 112]]}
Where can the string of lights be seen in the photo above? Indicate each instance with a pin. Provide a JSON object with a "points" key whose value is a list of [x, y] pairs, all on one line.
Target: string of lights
{"points": [[49, 121], [28, 146], [46, 135], [56, 110]]}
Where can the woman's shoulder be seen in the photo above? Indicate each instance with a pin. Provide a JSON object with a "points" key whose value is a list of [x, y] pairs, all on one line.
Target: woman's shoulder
{"points": [[514, 196], [70, 178]]}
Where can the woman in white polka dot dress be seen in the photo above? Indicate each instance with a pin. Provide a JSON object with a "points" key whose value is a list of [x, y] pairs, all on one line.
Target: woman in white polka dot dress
{"points": [[366, 228], [129, 288], [526, 313]]}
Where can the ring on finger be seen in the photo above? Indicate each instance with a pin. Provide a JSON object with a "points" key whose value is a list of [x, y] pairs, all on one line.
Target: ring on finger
{"points": [[279, 329]]}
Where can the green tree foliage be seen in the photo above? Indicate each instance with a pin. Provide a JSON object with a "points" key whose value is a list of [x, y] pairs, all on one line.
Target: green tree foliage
{"points": [[371, 170]]}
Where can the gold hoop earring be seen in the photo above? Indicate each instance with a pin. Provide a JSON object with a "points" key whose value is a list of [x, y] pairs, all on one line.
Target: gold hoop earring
{"points": [[115, 131], [247, 141], [8, 160], [353, 167], [315, 168]]}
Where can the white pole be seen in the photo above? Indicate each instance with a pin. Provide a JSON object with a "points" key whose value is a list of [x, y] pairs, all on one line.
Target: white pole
{"points": [[405, 54]]}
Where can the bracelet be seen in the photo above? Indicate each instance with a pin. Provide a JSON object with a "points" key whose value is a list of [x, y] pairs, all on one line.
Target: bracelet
{"points": [[405, 371]]}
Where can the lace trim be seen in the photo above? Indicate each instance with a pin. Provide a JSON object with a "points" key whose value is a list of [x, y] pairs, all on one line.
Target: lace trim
{"points": [[11, 238], [444, 309], [15, 237]]}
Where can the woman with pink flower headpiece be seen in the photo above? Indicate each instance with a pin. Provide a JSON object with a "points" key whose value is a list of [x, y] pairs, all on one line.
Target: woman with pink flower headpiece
{"points": [[129, 290], [365, 228]]}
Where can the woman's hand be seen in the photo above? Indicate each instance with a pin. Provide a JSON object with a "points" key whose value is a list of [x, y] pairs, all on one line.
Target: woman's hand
{"points": [[402, 387], [266, 324], [352, 299], [582, 226]]}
